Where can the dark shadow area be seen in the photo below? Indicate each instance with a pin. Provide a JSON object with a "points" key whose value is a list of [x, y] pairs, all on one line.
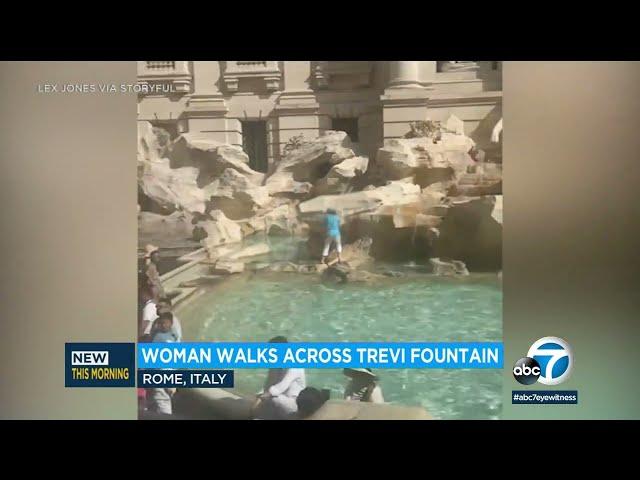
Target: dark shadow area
{"points": [[469, 233], [482, 134]]}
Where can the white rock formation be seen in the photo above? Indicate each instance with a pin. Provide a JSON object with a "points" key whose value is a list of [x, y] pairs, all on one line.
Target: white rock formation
{"points": [[236, 195], [423, 160], [393, 194], [422, 196], [217, 231], [171, 188], [341, 177], [454, 125], [226, 267], [149, 147], [211, 158], [448, 268], [301, 168], [164, 230]]}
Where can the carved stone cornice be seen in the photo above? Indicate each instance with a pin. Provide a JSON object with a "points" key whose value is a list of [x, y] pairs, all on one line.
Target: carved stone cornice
{"points": [[358, 71], [206, 106], [267, 71]]}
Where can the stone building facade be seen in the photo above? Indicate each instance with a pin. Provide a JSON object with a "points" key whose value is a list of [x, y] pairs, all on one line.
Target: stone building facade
{"points": [[262, 105]]}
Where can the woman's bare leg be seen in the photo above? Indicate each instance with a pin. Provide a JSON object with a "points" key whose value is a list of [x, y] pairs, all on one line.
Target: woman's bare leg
{"points": [[325, 250]]}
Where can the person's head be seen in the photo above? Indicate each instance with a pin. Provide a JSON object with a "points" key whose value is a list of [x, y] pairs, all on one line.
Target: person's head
{"points": [[164, 305], [165, 322], [279, 339], [151, 253], [331, 211], [360, 375], [155, 257], [278, 372], [310, 400]]}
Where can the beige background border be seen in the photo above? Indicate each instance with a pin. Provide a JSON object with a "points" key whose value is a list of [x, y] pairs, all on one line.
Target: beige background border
{"points": [[571, 213], [69, 231]]}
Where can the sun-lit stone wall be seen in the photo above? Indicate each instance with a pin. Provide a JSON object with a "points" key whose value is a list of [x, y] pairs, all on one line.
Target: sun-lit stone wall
{"points": [[377, 99]]}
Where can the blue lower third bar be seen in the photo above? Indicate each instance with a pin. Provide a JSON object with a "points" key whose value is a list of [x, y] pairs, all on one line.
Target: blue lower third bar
{"points": [[185, 378], [544, 397]]}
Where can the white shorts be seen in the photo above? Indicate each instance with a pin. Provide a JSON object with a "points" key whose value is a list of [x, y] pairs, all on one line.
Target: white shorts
{"points": [[160, 401], [327, 244]]}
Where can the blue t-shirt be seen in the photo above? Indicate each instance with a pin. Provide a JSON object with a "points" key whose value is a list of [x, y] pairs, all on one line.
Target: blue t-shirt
{"points": [[333, 225], [164, 337]]}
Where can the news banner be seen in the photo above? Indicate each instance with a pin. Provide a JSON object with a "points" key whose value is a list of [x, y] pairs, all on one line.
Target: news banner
{"points": [[212, 364]]}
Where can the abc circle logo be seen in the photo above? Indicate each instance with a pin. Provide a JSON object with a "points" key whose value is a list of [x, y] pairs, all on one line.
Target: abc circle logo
{"points": [[548, 361], [526, 371]]}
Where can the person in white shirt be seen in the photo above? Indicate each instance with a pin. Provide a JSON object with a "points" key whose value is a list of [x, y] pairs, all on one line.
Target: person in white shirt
{"points": [[160, 399], [152, 259], [149, 311], [277, 400]]}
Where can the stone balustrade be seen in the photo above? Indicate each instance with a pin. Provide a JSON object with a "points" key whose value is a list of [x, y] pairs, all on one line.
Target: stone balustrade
{"points": [[267, 71], [173, 74]]}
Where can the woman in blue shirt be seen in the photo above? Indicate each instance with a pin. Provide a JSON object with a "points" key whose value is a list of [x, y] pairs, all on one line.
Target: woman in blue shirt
{"points": [[332, 223]]}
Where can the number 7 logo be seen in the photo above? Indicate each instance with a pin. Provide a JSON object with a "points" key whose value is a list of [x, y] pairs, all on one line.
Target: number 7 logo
{"points": [[555, 358]]}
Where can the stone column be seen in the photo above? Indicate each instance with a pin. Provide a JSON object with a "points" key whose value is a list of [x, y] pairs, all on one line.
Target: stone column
{"points": [[404, 100], [297, 75], [206, 76], [459, 66], [404, 75], [206, 109], [296, 109], [182, 67], [427, 72]]}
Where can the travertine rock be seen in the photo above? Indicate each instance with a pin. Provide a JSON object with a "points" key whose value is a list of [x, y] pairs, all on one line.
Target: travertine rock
{"points": [[471, 233], [423, 197], [196, 169], [355, 254], [164, 230], [149, 145], [236, 195], [296, 173], [342, 176], [448, 268], [211, 158], [366, 213], [423, 160], [454, 125], [283, 267], [169, 188], [393, 194], [225, 267], [217, 231]]}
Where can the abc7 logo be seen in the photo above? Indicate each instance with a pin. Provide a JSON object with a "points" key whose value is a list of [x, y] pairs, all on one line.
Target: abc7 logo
{"points": [[549, 361]]}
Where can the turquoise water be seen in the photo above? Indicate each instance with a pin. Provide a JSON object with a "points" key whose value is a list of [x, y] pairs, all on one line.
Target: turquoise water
{"points": [[419, 307]]}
